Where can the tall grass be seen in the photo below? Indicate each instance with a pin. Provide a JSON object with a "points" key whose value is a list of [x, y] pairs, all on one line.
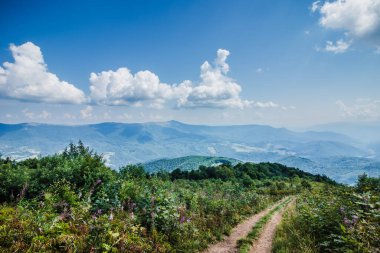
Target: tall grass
{"points": [[289, 238], [333, 219]]}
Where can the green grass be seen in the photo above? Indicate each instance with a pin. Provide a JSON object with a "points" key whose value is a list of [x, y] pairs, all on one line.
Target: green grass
{"points": [[289, 237], [245, 244]]}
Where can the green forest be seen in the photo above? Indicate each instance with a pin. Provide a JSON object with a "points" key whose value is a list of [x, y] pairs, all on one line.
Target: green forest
{"points": [[73, 202]]}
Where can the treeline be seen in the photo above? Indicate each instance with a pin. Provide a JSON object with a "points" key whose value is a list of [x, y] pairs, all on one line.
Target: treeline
{"points": [[85, 170], [247, 172]]}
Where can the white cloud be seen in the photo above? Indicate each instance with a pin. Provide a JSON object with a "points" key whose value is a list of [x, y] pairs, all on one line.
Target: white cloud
{"points": [[69, 116], [338, 47], [215, 89], [359, 19], [315, 6], [366, 109], [44, 114], [86, 112], [212, 150], [32, 115], [29, 79], [268, 104], [121, 87]]}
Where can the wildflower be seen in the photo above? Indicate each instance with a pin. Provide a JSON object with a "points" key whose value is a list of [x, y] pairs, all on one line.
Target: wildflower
{"points": [[62, 216], [111, 217], [346, 221]]}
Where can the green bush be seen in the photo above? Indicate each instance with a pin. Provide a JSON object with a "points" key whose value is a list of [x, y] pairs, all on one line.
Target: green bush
{"points": [[73, 202], [333, 219]]}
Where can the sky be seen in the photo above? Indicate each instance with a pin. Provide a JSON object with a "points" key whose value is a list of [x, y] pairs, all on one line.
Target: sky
{"points": [[282, 63]]}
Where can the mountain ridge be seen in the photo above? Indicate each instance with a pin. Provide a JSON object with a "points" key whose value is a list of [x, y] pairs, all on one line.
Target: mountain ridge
{"points": [[126, 143]]}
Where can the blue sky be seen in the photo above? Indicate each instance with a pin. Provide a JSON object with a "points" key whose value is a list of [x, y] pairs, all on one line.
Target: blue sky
{"points": [[283, 63]]}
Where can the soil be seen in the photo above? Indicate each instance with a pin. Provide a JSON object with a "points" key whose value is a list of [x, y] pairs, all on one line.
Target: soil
{"points": [[264, 243], [229, 243]]}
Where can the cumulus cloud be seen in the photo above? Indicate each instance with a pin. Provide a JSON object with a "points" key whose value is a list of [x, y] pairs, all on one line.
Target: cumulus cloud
{"points": [[215, 88], [360, 19], [86, 112], [121, 87], [367, 109], [338, 47], [29, 79]]}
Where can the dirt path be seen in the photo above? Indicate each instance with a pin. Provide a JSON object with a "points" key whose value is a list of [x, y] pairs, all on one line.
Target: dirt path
{"points": [[228, 244], [265, 241]]}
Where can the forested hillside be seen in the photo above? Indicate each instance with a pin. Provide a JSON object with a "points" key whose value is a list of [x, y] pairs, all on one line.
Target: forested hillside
{"points": [[73, 202], [186, 163], [337, 156]]}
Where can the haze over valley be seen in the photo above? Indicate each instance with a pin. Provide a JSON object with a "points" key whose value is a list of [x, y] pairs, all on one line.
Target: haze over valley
{"points": [[336, 155]]}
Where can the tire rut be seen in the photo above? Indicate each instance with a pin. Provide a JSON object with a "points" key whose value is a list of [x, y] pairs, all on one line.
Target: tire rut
{"points": [[229, 243]]}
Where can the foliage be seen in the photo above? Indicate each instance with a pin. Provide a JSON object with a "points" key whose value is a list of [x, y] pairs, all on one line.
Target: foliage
{"points": [[72, 202], [338, 219], [186, 163], [247, 171]]}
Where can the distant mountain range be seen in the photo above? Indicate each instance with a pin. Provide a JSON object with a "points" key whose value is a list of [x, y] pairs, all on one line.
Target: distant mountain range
{"points": [[365, 131], [324, 152]]}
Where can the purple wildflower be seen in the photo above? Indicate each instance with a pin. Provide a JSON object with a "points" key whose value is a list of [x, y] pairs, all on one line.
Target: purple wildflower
{"points": [[346, 221]]}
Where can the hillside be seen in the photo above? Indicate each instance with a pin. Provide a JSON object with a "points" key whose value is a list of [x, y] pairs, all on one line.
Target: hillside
{"points": [[187, 163], [122, 144], [73, 202]]}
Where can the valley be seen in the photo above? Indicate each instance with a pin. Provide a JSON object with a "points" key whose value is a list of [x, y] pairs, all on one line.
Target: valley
{"points": [[335, 155]]}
